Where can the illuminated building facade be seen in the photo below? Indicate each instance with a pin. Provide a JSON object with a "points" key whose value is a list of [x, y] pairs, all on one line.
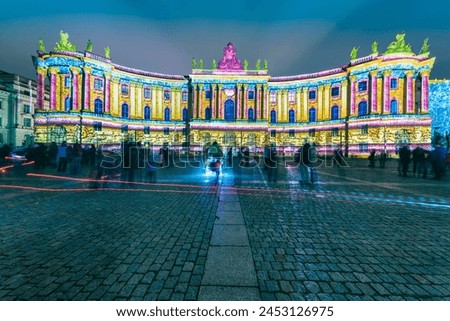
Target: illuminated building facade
{"points": [[373, 102]]}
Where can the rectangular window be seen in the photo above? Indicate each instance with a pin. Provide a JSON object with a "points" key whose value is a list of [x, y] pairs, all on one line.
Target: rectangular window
{"points": [[312, 132], [208, 94], [291, 133], [394, 83], [27, 122], [364, 129], [363, 147], [273, 97], [335, 132], [166, 131], [335, 92], [0, 121], [98, 84], [26, 109], [147, 93], [67, 82], [1, 102], [146, 130], [362, 85], [251, 95], [291, 96], [124, 89], [97, 126], [273, 133], [166, 94], [312, 95], [184, 95], [124, 129]]}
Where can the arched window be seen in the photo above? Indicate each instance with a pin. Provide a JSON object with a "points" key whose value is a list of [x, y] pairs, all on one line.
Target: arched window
{"points": [[394, 107], [147, 113], [273, 116], [334, 112], [229, 110], [98, 106], [312, 115], [362, 108], [291, 116], [208, 113], [251, 114], [68, 104], [124, 111], [167, 114], [185, 114]]}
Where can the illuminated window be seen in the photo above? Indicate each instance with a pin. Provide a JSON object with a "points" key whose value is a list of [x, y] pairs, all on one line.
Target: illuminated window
{"points": [[291, 96], [291, 133], [364, 129], [394, 107], [251, 94], [146, 130], [335, 92], [334, 113], [312, 132], [147, 113], [273, 116], [166, 131], [98, 106], [363, 147], [362, 85], [98, 84], [124, 129], [124, 111], [291, 116], [208, 94], [312, 95], [312, 115], [147, 93], [184, 95], [208, 113], [166, 94], [273, 133], [68, 104], [26, 109], [167, 114], [362, 108], [251, 114], [97, 126], [124, 89], [394, 83], [335, 132], [185, 114], [273, 97]]}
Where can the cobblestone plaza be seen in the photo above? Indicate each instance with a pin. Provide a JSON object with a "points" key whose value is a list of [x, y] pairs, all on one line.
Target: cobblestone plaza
{"points": [[360, 234]]}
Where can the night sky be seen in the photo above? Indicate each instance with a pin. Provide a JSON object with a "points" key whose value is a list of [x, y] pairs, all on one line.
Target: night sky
{"points": [[296, 37]]}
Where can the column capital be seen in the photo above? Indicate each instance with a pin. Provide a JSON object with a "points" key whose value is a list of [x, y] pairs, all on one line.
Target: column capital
{"points": [[74, 70], [53, 70], [409, 73], [373, 73], [245, 86], [304, 89], [42, 71], [352, 78], [425, 72], [220, 86], [387, 73], [327, 86], [87, 70], [107, 75]]}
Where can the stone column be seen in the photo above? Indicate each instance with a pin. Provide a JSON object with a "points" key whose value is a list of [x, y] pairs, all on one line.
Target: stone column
{"points": [[132, 106], [326, 103], [265, 101], [40, 92], [238, 101], [285, 94], [352, 94], [213, 101], [75, 89], [425, 74], [245, 101], [107, 91], [201, 93], [138, 101], [409, 91], [279, 108], [87, 88], [53, 89], [298, 103], [320, 107], [220, 102], [386, 90], [305, 104], [344, 94], [373, 91]]}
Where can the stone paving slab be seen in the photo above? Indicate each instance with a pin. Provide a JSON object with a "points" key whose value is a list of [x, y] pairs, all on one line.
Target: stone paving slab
{"points": [[228, 293], [229, 217], [230, 266], [229, 235]]}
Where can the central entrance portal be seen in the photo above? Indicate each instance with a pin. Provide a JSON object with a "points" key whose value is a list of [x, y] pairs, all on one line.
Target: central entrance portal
{"points": [[229, 110]]}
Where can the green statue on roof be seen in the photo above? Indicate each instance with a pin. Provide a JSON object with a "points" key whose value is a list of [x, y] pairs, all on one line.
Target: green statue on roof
{"points": [[245, 64], [354, 53], [266, 64], [258, 64], [200, 64], [425, 48], [41, 46], [107, 52], [399, 45], [194, 63], [214, 64], [374, 47], [89, 46], [64, 44]]}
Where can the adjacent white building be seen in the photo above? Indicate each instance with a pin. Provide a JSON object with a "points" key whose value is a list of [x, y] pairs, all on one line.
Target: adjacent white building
{"points": [[17, 105]]}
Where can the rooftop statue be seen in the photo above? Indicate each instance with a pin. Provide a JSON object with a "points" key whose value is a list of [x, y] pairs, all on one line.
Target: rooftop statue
{"points": [[425, 48], [89, 46], [64, 44], [266, 64], [229, 60], [354, 53], [200, 64], [258, 64], [41, 46], [214, 64], [245, 64], [375, 47], [107, 52], [399, 45], [194, 63]]}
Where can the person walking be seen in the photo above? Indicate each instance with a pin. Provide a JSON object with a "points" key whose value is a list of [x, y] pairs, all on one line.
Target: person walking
{"points": [[62, 157], [405, 159], [372, 159]]}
